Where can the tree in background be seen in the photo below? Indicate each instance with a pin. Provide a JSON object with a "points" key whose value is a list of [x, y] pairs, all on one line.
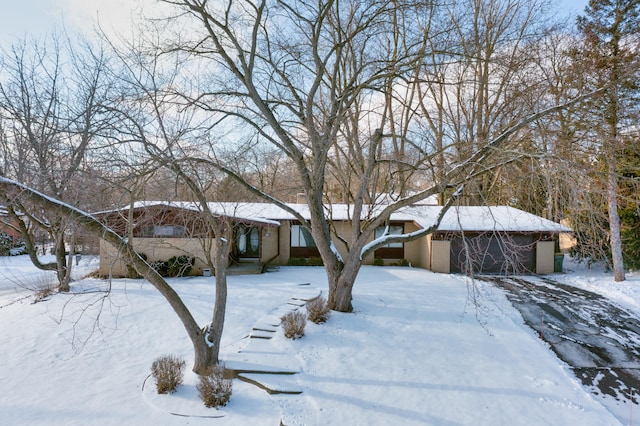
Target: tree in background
{"points": [[610, 57], [629, 171], [52, 104]]}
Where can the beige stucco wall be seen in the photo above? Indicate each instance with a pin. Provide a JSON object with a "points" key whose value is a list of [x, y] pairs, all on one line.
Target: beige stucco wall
{"points": [[413, 249], [440, 256], [111, 263], [425, 251], [270, 249], [284, 237], [544, 257]]}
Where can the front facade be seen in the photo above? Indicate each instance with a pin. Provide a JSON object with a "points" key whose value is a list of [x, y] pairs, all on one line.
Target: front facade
{"points": [[469, 239]]}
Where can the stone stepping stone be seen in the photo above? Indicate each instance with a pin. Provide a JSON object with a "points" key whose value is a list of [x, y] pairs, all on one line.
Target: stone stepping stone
{"points": [[273, 384], [261, 334], [245, 367], [262, 365]]}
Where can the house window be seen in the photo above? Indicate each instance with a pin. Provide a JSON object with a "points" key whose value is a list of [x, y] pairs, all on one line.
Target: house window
{"points": [[391, 250], [301, 237], [302, 244], [248, 241], [163, 231]]}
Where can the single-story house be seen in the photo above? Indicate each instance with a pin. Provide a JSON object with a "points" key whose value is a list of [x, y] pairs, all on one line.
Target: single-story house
{"points": [[487, 239]]}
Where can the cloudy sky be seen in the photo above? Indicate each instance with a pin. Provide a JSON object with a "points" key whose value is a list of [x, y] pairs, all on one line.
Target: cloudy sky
{"points": [[37, 17]]}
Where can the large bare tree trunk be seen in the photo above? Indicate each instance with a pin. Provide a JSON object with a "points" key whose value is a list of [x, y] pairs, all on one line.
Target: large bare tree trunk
{"points": [[216, 327], [341, 286]]}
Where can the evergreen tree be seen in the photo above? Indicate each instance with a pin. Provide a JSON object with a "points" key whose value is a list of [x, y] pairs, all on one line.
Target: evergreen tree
{"points": [[610, 30]]}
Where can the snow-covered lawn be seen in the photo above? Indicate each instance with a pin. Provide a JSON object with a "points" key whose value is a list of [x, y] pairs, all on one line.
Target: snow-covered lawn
{"points": [[417, 350]]}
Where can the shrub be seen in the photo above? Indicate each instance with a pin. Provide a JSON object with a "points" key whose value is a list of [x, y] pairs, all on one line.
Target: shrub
{"points": [[43, 292], [401, 262], [168, 370], [6, 242], [297, 261], [293, 325], [214, 388], [315, 261], [18, 250], [43, 286], [378, 262], [179, 266], [318, 310], [161, 267]]}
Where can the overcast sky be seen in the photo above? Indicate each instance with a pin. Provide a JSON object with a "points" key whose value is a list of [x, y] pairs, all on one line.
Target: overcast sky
{"points": [[37, 17]]}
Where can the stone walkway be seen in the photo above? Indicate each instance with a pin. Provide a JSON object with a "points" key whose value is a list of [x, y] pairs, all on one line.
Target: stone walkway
{"points": [[260, 362]]}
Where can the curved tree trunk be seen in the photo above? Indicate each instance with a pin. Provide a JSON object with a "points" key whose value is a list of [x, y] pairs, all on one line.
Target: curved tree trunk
{"points": [[341, 282], [217, 321], [61, 260], [203, 353]]}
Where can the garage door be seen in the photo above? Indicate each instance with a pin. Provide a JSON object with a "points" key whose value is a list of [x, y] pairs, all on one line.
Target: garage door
{"points": [[493, 254]]}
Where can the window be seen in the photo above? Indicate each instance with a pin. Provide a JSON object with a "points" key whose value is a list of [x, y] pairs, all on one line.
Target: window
{"points": [[248, 241], [163, 231], [302, 244], [393, 230], [301, 237], [391, 250]]}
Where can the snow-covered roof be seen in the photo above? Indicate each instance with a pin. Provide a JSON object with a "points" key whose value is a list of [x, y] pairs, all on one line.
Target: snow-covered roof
{"points": [[241, 211], [457, 218], [480, 218]]}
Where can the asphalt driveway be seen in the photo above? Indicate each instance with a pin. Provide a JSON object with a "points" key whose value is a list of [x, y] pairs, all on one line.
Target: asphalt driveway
{"points": [[598, 339]]}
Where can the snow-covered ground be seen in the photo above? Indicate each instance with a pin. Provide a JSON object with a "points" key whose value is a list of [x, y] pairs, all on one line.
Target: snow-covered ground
{"points": [[417, 350]]}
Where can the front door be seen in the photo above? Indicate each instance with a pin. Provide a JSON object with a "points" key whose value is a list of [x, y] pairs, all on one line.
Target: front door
{"points": [[248, 242]]}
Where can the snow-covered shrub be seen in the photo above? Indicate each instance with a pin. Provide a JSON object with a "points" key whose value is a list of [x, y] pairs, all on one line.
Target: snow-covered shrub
{"points": [[293, 324], [168, 370], [161, 267], [214, 388], [6, 242], [318, 310], [18, 250], [179, 266]]}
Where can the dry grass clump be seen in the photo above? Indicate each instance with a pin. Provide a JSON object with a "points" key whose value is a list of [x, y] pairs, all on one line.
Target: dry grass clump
{"points": [[318, 310], [43, 287], [293, 324], [168, 370], [214, 388], [42, 293]]}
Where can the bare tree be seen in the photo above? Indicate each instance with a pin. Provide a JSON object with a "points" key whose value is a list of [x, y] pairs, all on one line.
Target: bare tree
{"points": [[52, 101], [160, 133], [205, 354], [321, 82]]}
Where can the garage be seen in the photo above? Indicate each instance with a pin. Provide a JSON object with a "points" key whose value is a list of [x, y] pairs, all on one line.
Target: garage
{"points": [[493, 253]]}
